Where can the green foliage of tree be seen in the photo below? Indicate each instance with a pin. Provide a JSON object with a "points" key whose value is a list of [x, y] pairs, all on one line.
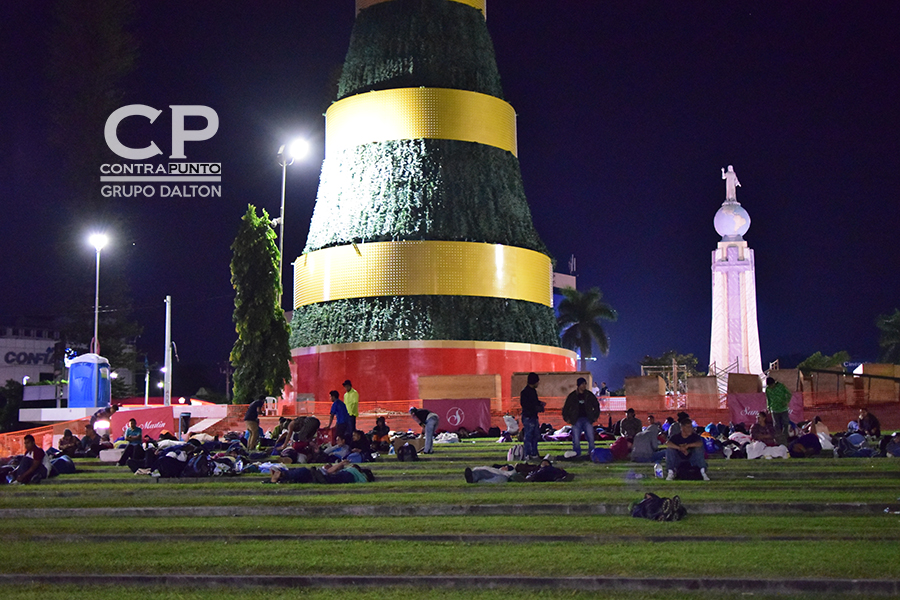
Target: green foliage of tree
{"points": [[889, 341], [10, 403], [422, 189], [424, 318], [580, 320], [420, 43], [261, 353], [426, 189], [665, 360], [823, 361]]}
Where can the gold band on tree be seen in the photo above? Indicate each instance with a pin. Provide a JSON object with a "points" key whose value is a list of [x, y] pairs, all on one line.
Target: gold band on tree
{"points": [[479, 4], [416, 113], [422, 268]]}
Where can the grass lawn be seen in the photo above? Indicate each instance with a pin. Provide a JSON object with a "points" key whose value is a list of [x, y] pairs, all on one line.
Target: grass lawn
{"points": [[789, 543], [117, 592]]}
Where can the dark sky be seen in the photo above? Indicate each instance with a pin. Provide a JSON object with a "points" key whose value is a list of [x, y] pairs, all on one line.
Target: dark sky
{"points": [[626, 113]]}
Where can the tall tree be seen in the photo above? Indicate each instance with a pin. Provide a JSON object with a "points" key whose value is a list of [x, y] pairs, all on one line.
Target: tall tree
{"points": [[890, 337], [580, 321], [261, 353]]}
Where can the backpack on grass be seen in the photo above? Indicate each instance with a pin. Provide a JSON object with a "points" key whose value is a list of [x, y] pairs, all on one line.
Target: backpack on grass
{"points": [[407, 452], [197, 466], [516, 453]]}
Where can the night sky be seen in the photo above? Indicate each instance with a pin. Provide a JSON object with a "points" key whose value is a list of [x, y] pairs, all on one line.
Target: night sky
{"points": [[626, 113]]}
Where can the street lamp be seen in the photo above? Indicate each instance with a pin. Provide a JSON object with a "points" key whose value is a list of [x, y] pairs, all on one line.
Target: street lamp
{"points": [[297, 149], [97, 240]]}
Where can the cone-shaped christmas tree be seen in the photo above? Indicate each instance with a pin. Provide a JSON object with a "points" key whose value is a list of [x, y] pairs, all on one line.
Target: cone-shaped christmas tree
{"points": [[421, 230]]}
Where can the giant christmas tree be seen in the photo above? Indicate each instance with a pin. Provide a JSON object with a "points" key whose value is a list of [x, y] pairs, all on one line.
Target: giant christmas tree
{"points": [[421, 258]]}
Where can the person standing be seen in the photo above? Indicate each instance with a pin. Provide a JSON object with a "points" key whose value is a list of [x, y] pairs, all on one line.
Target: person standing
{"points": [[351, 401], [339, 416], [531, 406], [251, 422], [581, 411], [429, 422], [778, 399]]}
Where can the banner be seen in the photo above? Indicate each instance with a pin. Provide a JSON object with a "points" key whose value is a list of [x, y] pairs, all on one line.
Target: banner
{"points": [[152, 421], [745, 407], [470, 413]]}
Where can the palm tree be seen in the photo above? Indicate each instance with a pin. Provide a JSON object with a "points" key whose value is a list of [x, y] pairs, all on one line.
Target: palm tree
{"points": [[580, 316], [890, 337]]}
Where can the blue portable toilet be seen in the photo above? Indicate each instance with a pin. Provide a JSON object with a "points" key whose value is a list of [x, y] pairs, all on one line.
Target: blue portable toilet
{"points": [[88, 381]]}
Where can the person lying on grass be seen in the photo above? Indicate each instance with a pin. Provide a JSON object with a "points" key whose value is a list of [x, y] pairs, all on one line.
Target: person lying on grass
{"points": [[545, 471], [342, 472]]}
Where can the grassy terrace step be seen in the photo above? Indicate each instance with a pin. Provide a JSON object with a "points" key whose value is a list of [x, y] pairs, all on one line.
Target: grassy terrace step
{"points": [[809, 559], [750, 527], [191, 587], [422, 520]]}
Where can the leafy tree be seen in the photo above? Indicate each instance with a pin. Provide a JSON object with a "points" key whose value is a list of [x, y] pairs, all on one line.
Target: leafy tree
{"points": [[823, 361], [10, 403], [580, 321], [665, 360], [890, 337], [261, 353]]}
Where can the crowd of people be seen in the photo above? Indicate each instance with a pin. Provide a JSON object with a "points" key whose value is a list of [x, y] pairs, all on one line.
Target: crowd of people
{"points": [[678, 442]]}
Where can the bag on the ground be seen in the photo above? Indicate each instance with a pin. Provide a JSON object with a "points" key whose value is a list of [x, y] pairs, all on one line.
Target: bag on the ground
{"points": [[407, 452], [61, 465], [648, 508], [515, 453], [688, 472], [197, 466], [854, 446], [494, 432], [601, 455]]}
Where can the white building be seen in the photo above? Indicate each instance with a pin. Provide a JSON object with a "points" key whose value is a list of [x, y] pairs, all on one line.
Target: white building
{"points": [[26, 352]]}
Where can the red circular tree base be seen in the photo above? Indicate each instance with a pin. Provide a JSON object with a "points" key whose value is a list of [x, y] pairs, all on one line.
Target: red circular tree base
{"points": [[389, 371]]}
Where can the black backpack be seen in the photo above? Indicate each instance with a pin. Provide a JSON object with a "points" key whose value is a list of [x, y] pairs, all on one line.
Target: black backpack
{"points": [[648, 508], [687, 472], [407, 452], [197, 466]]}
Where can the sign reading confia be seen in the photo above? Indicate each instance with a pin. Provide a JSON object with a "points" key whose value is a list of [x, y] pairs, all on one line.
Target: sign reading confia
{"points": [[171, 180]]}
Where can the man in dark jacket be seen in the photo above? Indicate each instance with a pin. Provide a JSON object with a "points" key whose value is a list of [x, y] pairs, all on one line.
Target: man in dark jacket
{"points": [[531, 406], [868, 424], [429, 422], [581, 411]]}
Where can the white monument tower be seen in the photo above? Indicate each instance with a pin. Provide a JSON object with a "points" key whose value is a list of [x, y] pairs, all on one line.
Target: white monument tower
{"points": [[734, 343]]}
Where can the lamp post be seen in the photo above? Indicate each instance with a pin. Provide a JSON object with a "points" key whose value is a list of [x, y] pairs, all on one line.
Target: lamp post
{"points": [[97, 240], [297, 149]]}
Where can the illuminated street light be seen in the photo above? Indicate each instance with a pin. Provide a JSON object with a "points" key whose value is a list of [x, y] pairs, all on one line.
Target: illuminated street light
{"points": [[297, 150], [97, 240]]}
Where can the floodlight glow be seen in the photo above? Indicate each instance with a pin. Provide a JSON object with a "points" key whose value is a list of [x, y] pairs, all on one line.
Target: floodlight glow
{"points": [[299, 148], [98, 240], [160, 384]]}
